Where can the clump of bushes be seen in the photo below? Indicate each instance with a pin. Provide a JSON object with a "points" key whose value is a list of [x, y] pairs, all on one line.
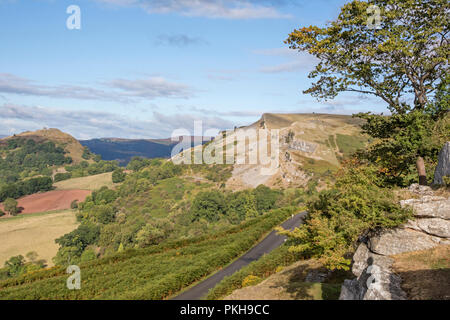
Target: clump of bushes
{"points": [[250, 280], [18, 265], [118, 175], [338, 217], [60, 176], [10, 206], [235, 207]]}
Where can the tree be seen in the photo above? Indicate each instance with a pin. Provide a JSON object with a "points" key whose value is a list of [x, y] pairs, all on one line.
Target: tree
{"points": [[405, 57], [10, 206], [74, 204], [118, 175], [241, 206], [15, 265], [338, 217], [209, 205]]}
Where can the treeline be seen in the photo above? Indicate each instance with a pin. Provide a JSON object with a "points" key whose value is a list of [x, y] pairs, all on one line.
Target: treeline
{"points": [[85, 168], [26, 187]]}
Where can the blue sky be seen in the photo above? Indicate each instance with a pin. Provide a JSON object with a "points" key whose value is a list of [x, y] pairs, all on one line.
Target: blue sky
{"points": [[142, 68]]}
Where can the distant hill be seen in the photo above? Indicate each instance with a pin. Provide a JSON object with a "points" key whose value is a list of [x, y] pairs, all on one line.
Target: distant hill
{"points": [[71, 145], [122, 150], [310, 145]]}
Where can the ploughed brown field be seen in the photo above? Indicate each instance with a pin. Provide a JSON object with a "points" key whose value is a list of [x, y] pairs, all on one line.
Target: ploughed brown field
{"points": [[51, 200]]}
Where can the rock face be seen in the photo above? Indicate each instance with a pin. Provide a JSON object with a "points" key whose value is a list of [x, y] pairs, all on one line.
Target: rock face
{"points": [[398, 240], [375, 280], [443, 167], [371, 262]]}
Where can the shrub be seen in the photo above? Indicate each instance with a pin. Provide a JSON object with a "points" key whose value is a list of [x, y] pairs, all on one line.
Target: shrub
{"points": [[10, 206], [357, 204], [209, 205], [62, 176], [118, 176], [74, 204], [250, 280]]}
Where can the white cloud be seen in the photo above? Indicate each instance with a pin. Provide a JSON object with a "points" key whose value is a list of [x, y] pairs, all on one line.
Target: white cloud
{"points": [[95, 124], [179, 40], [225, 9], [297, 61], [122, 90]]}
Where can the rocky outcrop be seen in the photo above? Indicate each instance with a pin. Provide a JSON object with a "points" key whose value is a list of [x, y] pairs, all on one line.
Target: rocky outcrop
{"points": [[390, 242], [371, 262], [375, 280], [443, 167], [429, 207]]}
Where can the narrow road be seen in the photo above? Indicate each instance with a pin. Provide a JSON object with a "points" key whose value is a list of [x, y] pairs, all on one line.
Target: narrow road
{"points": [[271, 242]]}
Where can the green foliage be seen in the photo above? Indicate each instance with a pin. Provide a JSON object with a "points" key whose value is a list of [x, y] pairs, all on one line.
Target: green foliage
{"points": [[26, 187], [349, 144], [10, 206], [401, 139], [138, 163], [236, 207], [262, 268], [23, 158], [171, 266], [74, 204], [266, 198], [84, 168], [215, 172], [150, 234], [208, 205], [88, 255], [60, 176], [87, 154], [118, 176], [15, 265], [67, 256], [76, 241], [18, 265], [356, 205], [407, 53], [241, 206]]}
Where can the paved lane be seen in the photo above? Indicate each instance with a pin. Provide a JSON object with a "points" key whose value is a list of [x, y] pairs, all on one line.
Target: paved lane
{"points": [[271, 242]]}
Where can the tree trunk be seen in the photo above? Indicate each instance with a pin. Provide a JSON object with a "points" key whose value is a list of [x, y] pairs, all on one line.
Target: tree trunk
{"points": [[421, 171]]}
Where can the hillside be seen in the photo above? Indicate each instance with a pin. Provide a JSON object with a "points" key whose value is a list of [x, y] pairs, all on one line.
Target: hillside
{"points": [[71, 145], [311, 145]]}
